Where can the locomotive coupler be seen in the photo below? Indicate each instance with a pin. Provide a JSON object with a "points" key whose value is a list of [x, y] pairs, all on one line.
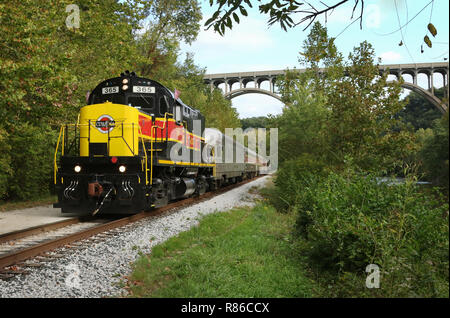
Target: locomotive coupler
{"points": [[95, 189]]}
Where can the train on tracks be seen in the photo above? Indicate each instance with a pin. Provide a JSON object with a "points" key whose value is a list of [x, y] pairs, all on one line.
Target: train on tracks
{"points": [[137, 146]]}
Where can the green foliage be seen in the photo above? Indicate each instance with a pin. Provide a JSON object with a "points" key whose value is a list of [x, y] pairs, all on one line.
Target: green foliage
{"points": [[5, 163], [419, 112], [303, 123], [32, 71], [346, 111], [290, 13], [31, 161], [279, 11], [46, 69], [169, 22], [255, 122], [337, 127], [290, 175], [434, 153], [348, 222]]}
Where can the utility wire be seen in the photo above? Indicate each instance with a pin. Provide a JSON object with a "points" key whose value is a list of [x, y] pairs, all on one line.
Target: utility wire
{"points": [[401, 32], [347, 27], [383, 34], [431, 13]]}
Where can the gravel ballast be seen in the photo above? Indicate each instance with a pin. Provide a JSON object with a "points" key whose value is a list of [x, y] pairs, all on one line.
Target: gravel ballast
{"points": [[96, 269]]}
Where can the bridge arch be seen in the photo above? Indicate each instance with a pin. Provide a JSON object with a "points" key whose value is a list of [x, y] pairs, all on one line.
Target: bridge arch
{"points": [[413, 87], [425, 94], [243, 91]]}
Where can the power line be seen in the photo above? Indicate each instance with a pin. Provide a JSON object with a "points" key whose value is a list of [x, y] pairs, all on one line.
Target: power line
{"points": [[431, 13], [384, 34], [401, 32], [347, 27]]}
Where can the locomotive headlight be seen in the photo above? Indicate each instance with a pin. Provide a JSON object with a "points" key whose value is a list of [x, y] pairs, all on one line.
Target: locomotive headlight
{"points": [[122, 169], [77, 168], [125, 87], [125, 81]]}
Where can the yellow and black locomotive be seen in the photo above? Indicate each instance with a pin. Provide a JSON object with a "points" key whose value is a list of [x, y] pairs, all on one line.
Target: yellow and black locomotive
{"points": [[135, 146]]}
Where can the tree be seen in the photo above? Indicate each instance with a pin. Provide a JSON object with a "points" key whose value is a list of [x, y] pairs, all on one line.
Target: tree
{"points": [[170, 21], [46, 69], [279, 11], [353, 114], [434, 154], [363, 123], [282, 11], [255, 122], [419, 112]]}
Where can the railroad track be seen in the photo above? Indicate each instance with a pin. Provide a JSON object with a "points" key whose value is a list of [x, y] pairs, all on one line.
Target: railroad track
{"points": [[38, 243]]}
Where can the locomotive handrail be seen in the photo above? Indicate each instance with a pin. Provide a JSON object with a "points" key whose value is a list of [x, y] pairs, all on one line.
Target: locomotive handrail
{"points": [[62, 135], [164, 126], [145, 155], [56, 152]]}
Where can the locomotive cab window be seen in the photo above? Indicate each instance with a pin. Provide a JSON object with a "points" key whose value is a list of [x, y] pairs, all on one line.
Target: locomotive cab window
{"points": [[145, 103], [113, 98], [186, 111], [163, 107]]}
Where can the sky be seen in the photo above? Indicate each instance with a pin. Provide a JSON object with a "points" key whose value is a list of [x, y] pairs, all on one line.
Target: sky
{"points": [[254, 46]]}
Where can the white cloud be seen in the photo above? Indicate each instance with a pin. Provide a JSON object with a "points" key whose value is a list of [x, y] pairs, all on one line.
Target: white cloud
{"points": [[243, 40], [390, 56], [254, 105]]}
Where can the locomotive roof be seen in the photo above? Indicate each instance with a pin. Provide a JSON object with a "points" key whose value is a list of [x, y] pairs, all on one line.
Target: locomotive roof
{"points": [[133, 80]]}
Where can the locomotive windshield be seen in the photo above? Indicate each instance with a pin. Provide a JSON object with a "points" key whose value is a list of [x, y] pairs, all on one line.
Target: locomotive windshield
{"points": [[144, 94], [145, 103], [113, 98]]}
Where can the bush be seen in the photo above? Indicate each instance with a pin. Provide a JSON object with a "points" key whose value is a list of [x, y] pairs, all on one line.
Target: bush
{"points": [[348, 222], [5, 163], [434, 154], [292, 178], [32, 161]]}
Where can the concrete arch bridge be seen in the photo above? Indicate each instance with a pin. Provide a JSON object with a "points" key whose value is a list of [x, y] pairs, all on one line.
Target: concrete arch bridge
{"points": [[398, 70]]}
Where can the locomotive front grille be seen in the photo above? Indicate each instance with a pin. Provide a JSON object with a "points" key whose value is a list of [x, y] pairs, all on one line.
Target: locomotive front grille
{"points": [[98, 149]]}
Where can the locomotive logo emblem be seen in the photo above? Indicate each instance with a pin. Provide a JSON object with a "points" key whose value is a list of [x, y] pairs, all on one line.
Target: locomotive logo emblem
{"points": [[103, 122]]}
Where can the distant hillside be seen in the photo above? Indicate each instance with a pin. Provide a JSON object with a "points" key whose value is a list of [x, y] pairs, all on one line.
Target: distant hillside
{"points": [[255, 122], [419, 112]]}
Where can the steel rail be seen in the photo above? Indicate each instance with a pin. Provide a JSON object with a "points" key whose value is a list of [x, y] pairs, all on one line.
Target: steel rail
{"points": [[37, 229], [21, 255]]}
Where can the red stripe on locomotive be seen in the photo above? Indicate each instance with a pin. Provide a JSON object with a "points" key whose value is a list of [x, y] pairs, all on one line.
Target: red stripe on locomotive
{"points": [[170, 129]]}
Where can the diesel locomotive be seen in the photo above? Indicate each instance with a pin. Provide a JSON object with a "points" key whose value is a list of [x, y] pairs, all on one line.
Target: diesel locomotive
{"points": [[137, 146]]}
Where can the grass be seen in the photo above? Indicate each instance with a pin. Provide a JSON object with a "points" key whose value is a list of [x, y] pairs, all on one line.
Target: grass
{"points": [[245, 252], [15, 205]]}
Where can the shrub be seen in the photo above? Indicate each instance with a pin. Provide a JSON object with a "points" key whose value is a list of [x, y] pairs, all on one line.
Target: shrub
{"points": [[32, 161], [292, 178], [348, 222], [434, 153], [5, 163]]}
